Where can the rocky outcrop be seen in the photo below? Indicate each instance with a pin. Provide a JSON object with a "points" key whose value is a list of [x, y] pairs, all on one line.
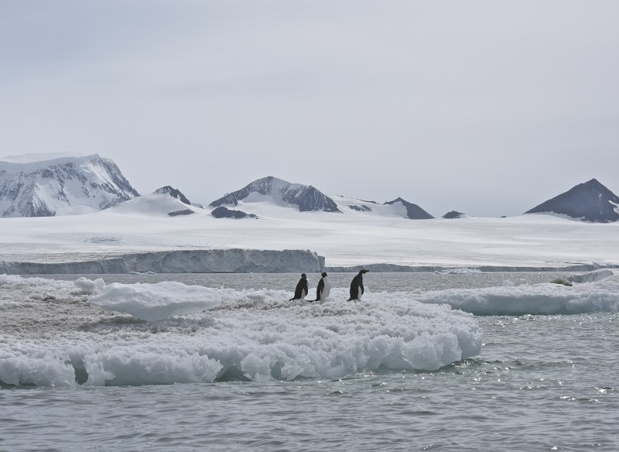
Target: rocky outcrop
{"points": [[222, 212], [453, 214]]}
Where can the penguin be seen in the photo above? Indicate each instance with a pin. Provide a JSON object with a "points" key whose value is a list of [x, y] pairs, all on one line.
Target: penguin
{"points": [[323, 289], [356, 286], [300, 292]]}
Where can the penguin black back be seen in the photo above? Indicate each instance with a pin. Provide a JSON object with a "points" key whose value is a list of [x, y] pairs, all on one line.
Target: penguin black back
{"points": [[302, 288], [356, 286]]}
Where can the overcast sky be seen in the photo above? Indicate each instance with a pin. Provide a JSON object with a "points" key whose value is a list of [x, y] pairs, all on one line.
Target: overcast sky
{"points": [[485, 107]]}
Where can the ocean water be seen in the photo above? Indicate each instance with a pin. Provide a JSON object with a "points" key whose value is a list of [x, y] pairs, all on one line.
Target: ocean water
{"points": [[539, 382]]}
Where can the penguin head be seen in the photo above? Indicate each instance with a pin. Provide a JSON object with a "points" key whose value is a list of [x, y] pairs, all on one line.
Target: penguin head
{"points": [[303, 275], [361, 272], [324, 274]]}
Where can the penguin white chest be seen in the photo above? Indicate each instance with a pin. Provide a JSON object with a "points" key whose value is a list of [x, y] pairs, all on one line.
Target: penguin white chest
{"points": [[325, 290]]}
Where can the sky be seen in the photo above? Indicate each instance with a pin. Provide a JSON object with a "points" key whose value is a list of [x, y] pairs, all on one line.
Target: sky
{"points": [[488, 108]]}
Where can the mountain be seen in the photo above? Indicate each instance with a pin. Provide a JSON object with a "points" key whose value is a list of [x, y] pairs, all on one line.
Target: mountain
{"points": [[590, 201], [174, 193], [41, 186], [413, 211], [305, 197], [156, 204]]}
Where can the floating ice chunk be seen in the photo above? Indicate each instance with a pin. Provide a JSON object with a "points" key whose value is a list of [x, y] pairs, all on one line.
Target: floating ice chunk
{"points": [[88, 286], [593, 276], [156, 301], [537, 299]]}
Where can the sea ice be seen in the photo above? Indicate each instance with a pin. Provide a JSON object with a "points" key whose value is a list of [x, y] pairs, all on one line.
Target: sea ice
{"points": [[253, 334], [596, 292]]}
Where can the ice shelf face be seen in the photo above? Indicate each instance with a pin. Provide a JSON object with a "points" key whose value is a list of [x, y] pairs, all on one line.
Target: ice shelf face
{"points": [[186, 261]]}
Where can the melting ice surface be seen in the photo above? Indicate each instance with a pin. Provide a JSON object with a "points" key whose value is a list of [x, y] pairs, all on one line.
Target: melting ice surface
{"points": [[55, 333], [69, 333]]}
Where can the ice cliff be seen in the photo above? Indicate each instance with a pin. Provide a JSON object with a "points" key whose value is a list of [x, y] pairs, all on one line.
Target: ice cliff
{"points": [[185, 261]]}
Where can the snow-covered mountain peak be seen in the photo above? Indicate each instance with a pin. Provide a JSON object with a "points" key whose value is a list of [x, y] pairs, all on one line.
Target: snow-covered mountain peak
{"points": [[34, 161], [60, 185], [40, 157], [305, 197], [173, 192]]}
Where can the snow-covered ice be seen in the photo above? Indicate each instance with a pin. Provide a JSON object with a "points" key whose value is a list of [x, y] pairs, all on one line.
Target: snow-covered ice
{"points": [[88, 332], [591, 292], [53, 333], [155, 301]]}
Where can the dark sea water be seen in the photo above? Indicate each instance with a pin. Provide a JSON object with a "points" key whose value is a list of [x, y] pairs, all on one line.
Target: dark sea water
{"points": [[540, 383]]}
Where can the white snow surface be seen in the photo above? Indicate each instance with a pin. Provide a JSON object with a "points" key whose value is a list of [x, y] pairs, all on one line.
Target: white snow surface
{"points": [[257, 334], [344, 239], [155, 204]]}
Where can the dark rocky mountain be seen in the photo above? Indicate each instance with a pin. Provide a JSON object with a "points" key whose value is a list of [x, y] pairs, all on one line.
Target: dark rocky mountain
{"points": [[174, 193], [223, 212], [413, 211], [589, 201], [47, 186], [305, 197], [453, 214]]}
